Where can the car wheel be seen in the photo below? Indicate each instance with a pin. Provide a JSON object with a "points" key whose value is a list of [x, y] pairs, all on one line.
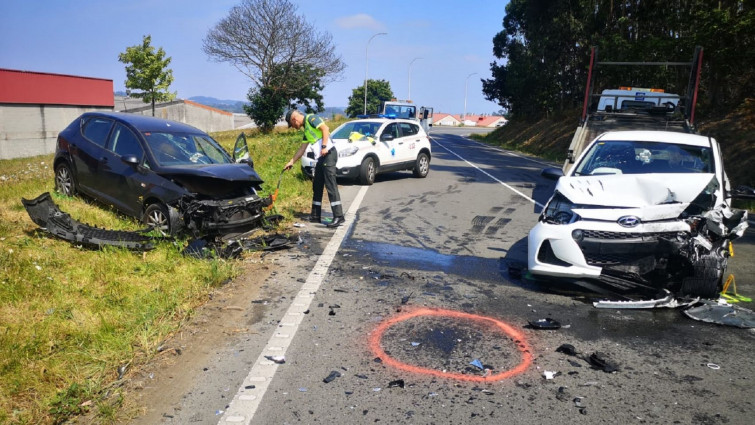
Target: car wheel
{"points": [[157, 216], [367, 171], [65, 182], [422, 167]]}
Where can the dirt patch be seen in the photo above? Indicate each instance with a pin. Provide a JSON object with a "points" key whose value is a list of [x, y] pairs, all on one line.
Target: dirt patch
{"points": [[151, 389]]}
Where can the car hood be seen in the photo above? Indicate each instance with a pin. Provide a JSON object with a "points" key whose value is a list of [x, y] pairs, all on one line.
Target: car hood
{"points": [[214, 180], [633, 190]]}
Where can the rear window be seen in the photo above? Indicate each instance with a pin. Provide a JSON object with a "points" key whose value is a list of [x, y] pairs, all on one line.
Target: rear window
{"points": [[636, 157], [97, 129]]}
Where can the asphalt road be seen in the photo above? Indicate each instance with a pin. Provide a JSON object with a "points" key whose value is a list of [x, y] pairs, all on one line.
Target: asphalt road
{"points": [[445, 243]]}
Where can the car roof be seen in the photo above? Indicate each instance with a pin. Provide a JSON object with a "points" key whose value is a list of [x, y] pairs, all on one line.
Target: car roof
{"points": [[146, 123], [656, 136]]}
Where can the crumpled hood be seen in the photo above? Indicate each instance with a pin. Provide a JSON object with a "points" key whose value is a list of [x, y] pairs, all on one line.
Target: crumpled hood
{"points": [[633, 190], [217, 181], [229, 172]]}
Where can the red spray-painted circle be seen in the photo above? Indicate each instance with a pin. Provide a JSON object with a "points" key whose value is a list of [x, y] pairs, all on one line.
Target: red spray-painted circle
{"points": [[515, 334]]}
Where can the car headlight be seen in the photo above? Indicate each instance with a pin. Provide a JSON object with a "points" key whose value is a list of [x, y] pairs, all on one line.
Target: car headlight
{"points": [[559, 211], [349, 151]]}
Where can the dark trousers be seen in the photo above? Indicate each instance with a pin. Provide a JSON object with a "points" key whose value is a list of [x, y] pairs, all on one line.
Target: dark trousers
{"points": [[325, 176]]}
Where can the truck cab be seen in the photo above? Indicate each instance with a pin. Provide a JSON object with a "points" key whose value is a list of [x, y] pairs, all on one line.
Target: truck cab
{"points": [[405, 109], [636, 99]]}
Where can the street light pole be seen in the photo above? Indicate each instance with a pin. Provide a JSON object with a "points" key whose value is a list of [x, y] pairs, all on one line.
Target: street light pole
{"points": [[366, 66], [464, 117], [410, 78]]}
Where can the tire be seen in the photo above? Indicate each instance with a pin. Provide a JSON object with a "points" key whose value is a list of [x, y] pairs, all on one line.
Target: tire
{"points": [[422, 166], [367, 171], [156, 215], [707, 281], [65, 182]]}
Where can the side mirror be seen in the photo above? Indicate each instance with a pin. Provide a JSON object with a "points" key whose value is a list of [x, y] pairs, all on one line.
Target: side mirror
{"points": [[130, 160], [386, 137], [552, 173]]}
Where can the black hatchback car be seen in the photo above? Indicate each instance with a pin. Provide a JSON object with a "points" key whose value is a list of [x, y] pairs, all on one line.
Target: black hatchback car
{"points": [[169, 175]]}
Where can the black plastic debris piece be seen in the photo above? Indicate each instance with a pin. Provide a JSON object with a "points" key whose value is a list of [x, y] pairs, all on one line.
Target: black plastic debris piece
{"points": [[45, 214], [405, 299], [573, 363], [332, 312], [600, 361], [333, 375], [203, 248], [361, 376], [397, 383], [545, 324], [377, 360], [567, 349], [722, 314]]}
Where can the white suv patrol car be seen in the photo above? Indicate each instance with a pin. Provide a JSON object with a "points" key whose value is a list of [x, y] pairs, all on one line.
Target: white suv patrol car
{"points": [[377, 144]]}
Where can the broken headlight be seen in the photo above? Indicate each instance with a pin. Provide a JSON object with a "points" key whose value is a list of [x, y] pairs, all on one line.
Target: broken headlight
{"points": [[349, 151], [559, 211]]}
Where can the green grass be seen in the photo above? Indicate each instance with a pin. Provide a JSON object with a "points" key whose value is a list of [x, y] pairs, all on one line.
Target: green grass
{"points": [[70, 316]]}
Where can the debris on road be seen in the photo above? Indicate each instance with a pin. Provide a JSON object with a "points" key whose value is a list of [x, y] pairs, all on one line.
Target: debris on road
{"points": [[713, 366], [397, 383], [333, 375], [545, 324], [567, 349], [549, 374], [277, 359], [213, 247], [600, 361], [667, 301], [477, 363], [722, 314]]}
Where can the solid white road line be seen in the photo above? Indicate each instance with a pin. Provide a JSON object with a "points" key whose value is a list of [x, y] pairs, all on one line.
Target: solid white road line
{"points": [[489, 175], [250, 394]]}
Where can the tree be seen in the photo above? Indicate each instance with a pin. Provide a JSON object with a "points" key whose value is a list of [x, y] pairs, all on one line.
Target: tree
{"points": [[148, 71], [301, 86], [278, 50], [378, 91]]}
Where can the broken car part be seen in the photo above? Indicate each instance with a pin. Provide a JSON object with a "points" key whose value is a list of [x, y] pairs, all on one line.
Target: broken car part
{"points": [[333, 375], [600, 361], [546, 324], [45, 214], [722, 314]]}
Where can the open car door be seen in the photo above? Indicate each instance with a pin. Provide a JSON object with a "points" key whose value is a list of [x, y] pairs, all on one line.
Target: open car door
{"points": [[241, 151]]}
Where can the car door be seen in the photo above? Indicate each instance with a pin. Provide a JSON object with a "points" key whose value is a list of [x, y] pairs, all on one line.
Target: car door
{"points": [[122, 181], [88, 153], [408, 145], [388, 147]]}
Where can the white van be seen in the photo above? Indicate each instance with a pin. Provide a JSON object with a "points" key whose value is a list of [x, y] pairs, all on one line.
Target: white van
{"points": [[636, 98]]}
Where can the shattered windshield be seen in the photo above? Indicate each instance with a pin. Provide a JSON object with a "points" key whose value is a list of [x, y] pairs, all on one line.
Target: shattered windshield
{"points": [[357, 129], [635, 157], [185, 149]]}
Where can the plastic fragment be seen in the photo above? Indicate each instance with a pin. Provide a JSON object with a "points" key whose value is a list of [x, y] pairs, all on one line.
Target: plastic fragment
{"points": [[546, 324], [476, 363], [567, 349], [397, 383], [333, 375]]}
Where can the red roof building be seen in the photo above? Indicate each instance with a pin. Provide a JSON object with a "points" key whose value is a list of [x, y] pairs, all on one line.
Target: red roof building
{"points": [[26, 87]]}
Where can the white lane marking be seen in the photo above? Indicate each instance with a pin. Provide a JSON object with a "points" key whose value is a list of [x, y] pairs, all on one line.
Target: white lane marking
{"points": [[489, 175], [250, 394]]}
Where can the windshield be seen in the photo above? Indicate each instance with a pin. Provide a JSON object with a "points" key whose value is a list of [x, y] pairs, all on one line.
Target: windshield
{"points": [[630, 157], [354, 128], [185, 149]]}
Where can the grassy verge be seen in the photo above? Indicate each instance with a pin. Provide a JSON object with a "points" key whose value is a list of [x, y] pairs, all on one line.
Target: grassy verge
{"points": [[71, 317]]}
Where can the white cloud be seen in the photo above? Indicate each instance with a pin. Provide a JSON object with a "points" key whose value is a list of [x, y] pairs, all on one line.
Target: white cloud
{"points": [[361, 20]]}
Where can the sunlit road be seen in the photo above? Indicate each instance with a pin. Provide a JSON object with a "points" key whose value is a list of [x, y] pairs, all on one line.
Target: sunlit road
{"points": [[445, 242]]}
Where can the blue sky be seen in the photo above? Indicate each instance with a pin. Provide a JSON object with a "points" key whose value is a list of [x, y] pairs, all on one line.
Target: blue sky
{"points": [[84, 37]]}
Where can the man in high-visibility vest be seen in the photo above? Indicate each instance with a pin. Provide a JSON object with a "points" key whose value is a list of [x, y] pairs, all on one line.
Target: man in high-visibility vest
{"points": [[317, 135]]}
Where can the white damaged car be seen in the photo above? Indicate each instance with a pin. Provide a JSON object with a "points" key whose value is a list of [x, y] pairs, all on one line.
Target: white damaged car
{"points": [[649, 207]]}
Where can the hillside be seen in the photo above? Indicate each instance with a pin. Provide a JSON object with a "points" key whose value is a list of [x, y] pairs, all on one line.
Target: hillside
{"points": [[550, 138]]}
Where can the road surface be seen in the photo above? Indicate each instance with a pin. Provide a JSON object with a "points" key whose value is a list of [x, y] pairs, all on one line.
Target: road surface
{"points": [[409, 315]]}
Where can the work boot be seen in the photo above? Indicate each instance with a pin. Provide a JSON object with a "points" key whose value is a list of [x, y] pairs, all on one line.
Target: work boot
{"points": [[314, 216], [337, 221]]}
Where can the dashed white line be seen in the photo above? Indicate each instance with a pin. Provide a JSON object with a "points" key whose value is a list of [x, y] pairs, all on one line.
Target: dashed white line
{"points": [[247, 399]]}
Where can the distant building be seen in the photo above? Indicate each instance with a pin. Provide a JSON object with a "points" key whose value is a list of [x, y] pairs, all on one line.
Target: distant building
{"points": [[490, 121], [36, 106], [440, 118]]}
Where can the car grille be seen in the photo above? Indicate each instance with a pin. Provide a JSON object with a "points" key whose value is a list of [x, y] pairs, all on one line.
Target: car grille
{"points": [[602, 260], [597, 234]]}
